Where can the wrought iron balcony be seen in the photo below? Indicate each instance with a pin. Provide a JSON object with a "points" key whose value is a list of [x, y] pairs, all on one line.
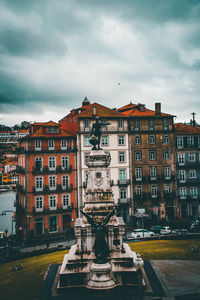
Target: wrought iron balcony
{"points": [[125, 201], [139, 180], [67, 169], [123, 182], [139, 197], [20, 169], [20, 188]]}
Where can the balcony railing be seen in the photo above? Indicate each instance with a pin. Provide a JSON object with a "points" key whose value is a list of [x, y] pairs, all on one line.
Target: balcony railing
{"points": [[151, 129], [139, 180], [124, 201], [20, 169], [123, 182], [67, 169], [32, 150], [47, 210], [108, 128], [139, 197]]}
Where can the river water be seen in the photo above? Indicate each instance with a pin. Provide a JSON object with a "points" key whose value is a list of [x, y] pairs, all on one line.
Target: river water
{"points": [[7, 200]]}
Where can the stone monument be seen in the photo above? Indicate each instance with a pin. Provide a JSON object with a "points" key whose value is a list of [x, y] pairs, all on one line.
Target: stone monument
{"points": [[100, 263]]}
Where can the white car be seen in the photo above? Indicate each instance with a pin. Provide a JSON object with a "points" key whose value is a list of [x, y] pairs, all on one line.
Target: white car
{"points": [[165, 230], [138, 233]]}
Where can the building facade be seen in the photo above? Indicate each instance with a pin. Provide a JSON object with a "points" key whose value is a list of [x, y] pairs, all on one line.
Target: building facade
{"points": [[152, 160], [114, 139], [187, 145], [46, 196]]}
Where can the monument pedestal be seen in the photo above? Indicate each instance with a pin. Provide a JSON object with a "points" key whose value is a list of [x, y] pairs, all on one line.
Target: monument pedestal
{"points": [[101, 278]]}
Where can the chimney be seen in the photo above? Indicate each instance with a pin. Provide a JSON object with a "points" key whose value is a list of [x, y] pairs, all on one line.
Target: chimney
{"points": [[157, 108], [94, 110]]}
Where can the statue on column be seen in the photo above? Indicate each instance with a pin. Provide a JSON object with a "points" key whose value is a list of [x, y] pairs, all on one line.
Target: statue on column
{"points": [[96, 134], [101, 248]]}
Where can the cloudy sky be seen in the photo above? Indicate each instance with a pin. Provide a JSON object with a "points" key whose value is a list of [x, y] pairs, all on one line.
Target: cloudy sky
{"points": [[53, 53]]}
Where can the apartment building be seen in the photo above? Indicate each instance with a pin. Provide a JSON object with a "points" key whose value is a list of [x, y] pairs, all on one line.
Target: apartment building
{"points": [[114, 140], [187, 146], [152, 160], [46, 181]]}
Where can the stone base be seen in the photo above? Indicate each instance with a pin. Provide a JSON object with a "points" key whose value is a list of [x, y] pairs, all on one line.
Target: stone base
{"points": [[100, 279]]}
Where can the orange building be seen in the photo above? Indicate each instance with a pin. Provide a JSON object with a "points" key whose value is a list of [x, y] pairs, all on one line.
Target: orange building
{"points": [[46, 181]]}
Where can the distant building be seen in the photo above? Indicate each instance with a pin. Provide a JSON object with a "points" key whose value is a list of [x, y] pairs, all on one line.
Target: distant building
{"points": [[187, 146], [47, 181]]}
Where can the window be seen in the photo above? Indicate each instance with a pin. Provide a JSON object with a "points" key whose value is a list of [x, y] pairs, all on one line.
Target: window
{"points": [[151, 125], [52, 182], [137, 140], [182, 176], [121, 140], [87, 124], [181, 158], [193, 192], [39, 203], [190, 141], [183, 192], [63, 144], [168, 188], [52, 202], [154, 191], [39, 226], [38, 163], [198, 141], [192, 157], [192, 173], [122, 157], [166, 139], [153, 172], [65, 200], [167, 172], [138, 155], [152, 155], [52, 129], [65, 181], [179, 142], [65, 162], [165, 124], [166, 155], [104, 140], [123, 194], [138, 189], [122, 174], [87, 141], [136, 125], [138, 173], [39, 183], [121, 124], [37, 145], [51, 144], [52, 223], [152, 139], [52, 163]]}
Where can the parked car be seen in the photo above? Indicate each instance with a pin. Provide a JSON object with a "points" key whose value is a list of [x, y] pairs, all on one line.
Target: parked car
{"points": [[165, 230], [137, 233], [194, 228], [180, 231], [156, 229]]}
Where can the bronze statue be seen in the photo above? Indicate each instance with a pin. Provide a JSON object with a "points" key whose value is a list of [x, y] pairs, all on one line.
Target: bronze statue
{"points": [[101, 248], [96, 134]]}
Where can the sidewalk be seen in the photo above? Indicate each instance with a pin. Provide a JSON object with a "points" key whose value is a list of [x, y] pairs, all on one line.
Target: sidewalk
{"points": [[53, 245]]}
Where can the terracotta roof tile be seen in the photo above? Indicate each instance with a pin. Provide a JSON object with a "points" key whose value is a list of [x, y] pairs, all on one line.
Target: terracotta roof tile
{"points": [[181, 128], [44, 124], [100, 111], [133, 110]]}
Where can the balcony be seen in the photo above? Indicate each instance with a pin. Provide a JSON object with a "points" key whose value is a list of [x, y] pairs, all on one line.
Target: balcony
{"points": [[154, 128], [36, 170], [189, 182], [139, 197], [188, 164], [168, 179], [123, 182], [61, 189], [20, 169], [108, 128], [67, 169], [47, 210], [169, 196], [124, 201], [45, 150], [20, 188], [139, 180]]}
